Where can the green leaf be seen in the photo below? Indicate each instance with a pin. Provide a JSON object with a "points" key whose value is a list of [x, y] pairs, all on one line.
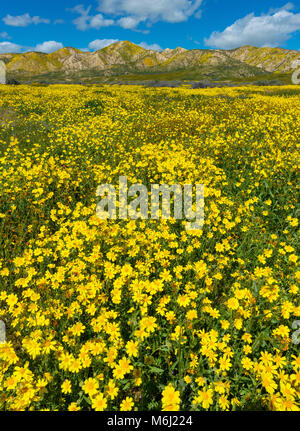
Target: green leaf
{"points": [[156, 370]]}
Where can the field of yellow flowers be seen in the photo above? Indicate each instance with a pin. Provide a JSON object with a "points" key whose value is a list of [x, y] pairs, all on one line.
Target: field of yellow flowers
{"points": [[145, 315]]}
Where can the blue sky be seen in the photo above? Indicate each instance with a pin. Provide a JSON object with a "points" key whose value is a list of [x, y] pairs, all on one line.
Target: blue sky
{"points": [[157, 24]]}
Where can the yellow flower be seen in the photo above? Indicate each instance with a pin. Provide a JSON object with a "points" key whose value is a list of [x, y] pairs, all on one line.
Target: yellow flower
{"points": [[90, 386], [132, 348], [170, 398], [127, 404], [223, 402], [247, 363], [205, 397], [66, 387], [112, 390], [187, 379], [99, 402], [73, 407], [233, 304]]}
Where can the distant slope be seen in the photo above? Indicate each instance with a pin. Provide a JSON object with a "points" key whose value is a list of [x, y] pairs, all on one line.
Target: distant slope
{"points": [[269, 59], [123, 58]]}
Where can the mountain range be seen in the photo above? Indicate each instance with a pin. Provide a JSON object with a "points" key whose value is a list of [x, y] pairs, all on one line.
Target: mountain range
{"points": [[127, 61]]}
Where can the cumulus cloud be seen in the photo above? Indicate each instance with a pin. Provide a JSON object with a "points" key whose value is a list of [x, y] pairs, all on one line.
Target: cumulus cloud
{"points": [[4, 35], [272, 29], [101, 43], [287, 6], [48, 46], [151, 10], [6, 47], [86, 21], [129, 22], [130, 13], [153, 46], [24, 20], [98, 21]]}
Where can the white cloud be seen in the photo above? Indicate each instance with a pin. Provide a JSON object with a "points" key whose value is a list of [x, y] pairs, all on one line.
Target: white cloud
{"points": [[271, 30], [151, 10], [131, 13], [129, 22], [86, 21], [153, 46], [98, 21], [287, 6], [101, 43], [4, 35], [24, 20], [48, 46], [6, 47], [59, 21]]}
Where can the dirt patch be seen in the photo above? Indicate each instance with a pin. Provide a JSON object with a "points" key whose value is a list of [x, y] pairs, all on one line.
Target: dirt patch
{"points": [[7, 116]]}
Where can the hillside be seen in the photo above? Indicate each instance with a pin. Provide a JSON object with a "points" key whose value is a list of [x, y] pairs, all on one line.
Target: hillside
{"points": [[269, 59], [127, 60]]}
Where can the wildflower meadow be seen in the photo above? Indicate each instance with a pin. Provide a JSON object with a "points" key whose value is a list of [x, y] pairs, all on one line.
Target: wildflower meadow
{"points": [[144, 314]]}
